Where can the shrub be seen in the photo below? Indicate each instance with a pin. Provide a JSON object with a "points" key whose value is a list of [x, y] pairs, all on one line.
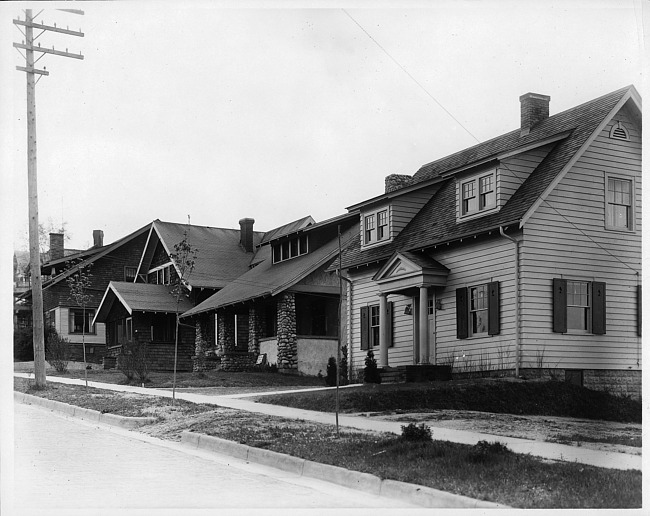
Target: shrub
{"points": [[57, 351], [24, 342], [343, 374], [330, 379], [484, 451], [371, 373], [413, 432], [134, 361]]}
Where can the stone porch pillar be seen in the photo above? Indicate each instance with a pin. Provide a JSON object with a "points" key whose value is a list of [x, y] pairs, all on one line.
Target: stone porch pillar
{"points": [[253, 330], [287, 341], [226, 337]]}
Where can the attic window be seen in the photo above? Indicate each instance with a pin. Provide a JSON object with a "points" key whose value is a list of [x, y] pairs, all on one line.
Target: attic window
{"points": [[288, 249], [619, 132]]}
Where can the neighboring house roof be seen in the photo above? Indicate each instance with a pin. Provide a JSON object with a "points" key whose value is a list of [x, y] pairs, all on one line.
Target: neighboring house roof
{"points": [[436, 222], [220, 257], [87, 257], [140, 297], [268, 279], [291, 227]]}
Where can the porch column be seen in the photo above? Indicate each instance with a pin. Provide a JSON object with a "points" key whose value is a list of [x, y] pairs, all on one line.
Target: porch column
{"points": [[383, 332], [423, 324]]}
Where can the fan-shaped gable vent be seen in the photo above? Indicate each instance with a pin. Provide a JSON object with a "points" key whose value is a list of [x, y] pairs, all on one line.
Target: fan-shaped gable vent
{"points": [[619, 132]]}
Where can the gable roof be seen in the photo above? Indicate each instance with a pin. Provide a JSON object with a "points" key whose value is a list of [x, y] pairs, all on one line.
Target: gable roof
{"points": [[436, 222], [220, 257], [291, 227], [269, 279], [87, 257], [139, 297]]}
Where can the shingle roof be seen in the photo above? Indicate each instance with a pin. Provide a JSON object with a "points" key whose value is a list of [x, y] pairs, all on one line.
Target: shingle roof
{"points": [[268, 279], [436, 221], [220, 257], [291, 227], [140, 297]]}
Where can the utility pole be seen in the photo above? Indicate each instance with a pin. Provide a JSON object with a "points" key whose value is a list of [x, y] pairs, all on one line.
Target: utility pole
{"points": [[34, 253]]}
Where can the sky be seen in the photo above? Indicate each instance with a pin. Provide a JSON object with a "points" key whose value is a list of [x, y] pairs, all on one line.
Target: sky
{"points": [[204, 112]]}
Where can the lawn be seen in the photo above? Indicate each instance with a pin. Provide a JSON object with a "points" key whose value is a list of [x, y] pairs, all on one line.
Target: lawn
{"points": [[484, 471], [486, 395]]}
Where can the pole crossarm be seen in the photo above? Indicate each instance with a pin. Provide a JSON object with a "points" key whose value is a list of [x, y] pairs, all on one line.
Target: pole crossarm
{"points": [[48, 27], [32, 70], [48, 51]]}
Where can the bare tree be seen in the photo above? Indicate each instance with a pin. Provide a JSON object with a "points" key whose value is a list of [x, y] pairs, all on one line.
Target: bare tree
{"points": [[184, 258], [79, 284]]}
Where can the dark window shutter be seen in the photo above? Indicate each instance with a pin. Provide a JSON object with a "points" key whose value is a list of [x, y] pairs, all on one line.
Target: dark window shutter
{"points": [[639, 299], [462, 313], [365, 327], [389, 323], [494, 320], [559, 305], [599, 309]]}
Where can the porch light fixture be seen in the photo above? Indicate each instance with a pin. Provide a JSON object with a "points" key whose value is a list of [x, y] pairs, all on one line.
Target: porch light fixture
{"points": [[408, 310], [438, 304]]}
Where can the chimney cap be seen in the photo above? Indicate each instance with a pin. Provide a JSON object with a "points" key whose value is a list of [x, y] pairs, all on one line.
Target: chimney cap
{"points": [[247, 220], [535, 96]]}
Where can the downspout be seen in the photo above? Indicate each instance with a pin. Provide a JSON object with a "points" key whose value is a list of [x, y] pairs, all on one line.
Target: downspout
{"points": [[517, 318]]}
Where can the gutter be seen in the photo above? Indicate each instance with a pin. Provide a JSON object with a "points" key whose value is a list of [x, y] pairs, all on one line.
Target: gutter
{"points": [[517, 318]]}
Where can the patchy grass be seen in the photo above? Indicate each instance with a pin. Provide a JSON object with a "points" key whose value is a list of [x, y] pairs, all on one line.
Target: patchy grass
{"points": [[497, 396], [635, 441], [164, 380], [104, 401], [488, 471]]}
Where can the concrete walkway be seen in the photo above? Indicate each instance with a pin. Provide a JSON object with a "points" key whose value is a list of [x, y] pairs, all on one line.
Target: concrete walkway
{"points": [[546, 450]]}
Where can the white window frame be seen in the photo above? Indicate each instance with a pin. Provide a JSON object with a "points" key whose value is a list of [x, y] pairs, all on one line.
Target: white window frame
{"points": [[475, 183], [631, 213], [585, 307], [371, 227], [475, 310], [286, 250], [161, 271], [374, 329], [89, 312]]}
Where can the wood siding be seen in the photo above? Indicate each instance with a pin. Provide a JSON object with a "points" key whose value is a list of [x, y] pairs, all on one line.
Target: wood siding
{"points": [[471, 263], [566, 238], [474, 263]]}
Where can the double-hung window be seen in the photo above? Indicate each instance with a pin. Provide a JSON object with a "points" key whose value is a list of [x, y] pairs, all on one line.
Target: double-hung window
{"points": [[80, 324], [477, 310], [579, 306], [619, 209], [478, 193], [371, 320], [375, 226]]}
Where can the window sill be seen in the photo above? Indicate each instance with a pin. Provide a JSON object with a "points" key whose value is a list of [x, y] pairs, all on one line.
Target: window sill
{"points": [[620, 230], [375, 244], [476, 214]]}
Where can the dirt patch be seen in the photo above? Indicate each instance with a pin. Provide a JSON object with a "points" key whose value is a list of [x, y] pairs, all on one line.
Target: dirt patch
{"points": [[577, 432]]}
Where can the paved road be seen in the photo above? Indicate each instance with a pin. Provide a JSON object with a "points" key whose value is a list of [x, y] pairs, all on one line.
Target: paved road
{"points": [[69, 466]]}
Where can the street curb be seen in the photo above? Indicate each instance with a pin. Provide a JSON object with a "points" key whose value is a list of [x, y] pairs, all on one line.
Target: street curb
{"points": [[419, 495], [83, 413]]}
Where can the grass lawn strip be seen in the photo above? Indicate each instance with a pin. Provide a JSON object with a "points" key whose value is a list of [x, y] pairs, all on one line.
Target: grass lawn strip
{"points": [[503, 477]]}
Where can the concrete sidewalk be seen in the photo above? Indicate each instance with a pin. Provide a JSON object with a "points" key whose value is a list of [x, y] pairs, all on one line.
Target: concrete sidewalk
{"points": [[546, 450]]}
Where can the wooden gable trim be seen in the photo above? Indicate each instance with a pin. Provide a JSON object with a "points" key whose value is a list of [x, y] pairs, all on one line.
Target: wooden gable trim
{"points": [[630, 94]]}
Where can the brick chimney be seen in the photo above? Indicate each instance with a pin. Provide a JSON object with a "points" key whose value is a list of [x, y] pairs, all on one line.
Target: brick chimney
{"points": [[396, 181], [534, 109], [98, 238], [246, 234], [56, 246]]}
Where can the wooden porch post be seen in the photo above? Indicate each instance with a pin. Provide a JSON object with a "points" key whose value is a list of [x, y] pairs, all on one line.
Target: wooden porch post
{"points": [[423, 324], [383, 332]]}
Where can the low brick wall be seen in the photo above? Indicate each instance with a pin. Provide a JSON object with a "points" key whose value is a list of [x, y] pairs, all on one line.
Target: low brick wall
{"points": [[615, 381]]}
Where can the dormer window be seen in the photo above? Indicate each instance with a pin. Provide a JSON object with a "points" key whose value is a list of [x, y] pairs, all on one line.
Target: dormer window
{"points": [[375, 226], [478, 193], [291, 248]]}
